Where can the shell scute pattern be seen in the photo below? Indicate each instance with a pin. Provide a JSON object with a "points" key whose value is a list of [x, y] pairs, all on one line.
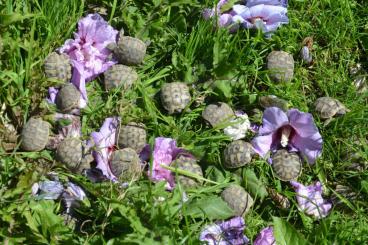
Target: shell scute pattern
{"points": [[130, 50], [175, 96], [120, 75], [68, 98], [237, 199], [188, 164], [287, 165], [35, 135], [238, 153], [273, 101], [70, 153], [281, 66], [133, 136], [328, 107], [218, 113], [125, 164], [58, 66]]}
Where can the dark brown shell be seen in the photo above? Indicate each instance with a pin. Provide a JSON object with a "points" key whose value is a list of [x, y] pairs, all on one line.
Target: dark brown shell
{"points": [[57, 66], [188, 164], [35, 135], [281, 66], [218, 113], [133, 136], [175, 96], [68, 98], [328, 107], [130, 50], [125, 164], [120, 75], [238, 153], [70, 153], [286, 165], [238, 199], [280, 200]]}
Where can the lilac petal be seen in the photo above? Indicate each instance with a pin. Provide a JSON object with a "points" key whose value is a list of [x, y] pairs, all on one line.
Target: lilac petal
{"points": [[225, 232], [265, 237], [52, 95], [263, 144], [238, 9], [225, 20], [310, 199], [48, 190], [145, 154], [208, 13], [273, 119], [104, 142], [283, 3]]}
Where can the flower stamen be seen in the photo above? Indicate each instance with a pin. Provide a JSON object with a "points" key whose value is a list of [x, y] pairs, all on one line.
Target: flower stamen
{"points": [[285, 134]]}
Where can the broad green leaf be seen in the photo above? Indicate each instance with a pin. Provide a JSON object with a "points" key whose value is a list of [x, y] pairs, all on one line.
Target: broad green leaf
{"points": [[224, 87], [213, 207], [253, 184], [286, 234]]}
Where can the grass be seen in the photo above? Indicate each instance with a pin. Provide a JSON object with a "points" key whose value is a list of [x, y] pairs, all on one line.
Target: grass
{"points": [[223, 67]]}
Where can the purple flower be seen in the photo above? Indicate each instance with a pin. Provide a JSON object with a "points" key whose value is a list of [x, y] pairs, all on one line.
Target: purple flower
{"points": [[104, 142], [310, 199], [265, 17], [225, 19], [295, 130], [165, 151], [283, 3], [265, 237], [230, 232], [88, 52]]}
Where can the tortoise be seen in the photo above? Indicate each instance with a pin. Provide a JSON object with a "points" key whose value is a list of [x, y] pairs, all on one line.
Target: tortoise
{"points": [[188, 164], [132, 135], [57, 66], [218, 113], [238, 153], [125, 164], [175, 97], [281, 201], [287, 165], [35, 135], [70, 153], [237, 199], [281, 66], [273, 101], [68, 98], [120, 75], [128, 50], [328, 107]]}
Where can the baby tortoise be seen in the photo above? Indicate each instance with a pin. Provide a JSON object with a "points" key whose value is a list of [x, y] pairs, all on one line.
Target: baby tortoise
{"points": [[35, 135], [125, 164], [328, 107], [57, 66], [218, 113], [188, 164], [132, 135], [281, 66], [287, 165], [175, 97], [273, 101], [120, 75], [281, 201], [68, 98], [238, 199], [238, 153]]}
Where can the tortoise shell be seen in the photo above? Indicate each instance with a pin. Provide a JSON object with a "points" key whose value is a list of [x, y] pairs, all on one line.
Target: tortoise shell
{"points": [[287, 165], [70, 153], [35, 135], [281, 201], [188, 164], [281, 66], [175, 96], [120, 75], [125, 164], [237, 199], [57, 66], [68, 98], [130, 50], [133, 136], [328, 107], [218, 113], [238, 153], [273, 101]]}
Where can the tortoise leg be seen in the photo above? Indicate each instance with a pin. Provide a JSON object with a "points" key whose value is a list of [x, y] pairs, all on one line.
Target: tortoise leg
{"points": [[327, 121]]}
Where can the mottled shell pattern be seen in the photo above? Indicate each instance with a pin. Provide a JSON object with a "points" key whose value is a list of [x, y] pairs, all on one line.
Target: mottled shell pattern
{"points": [[125, 164], [120, 75], [175, 97], [281, 66], [281, 201], [218, 113], [35, 135], [188, 164], [57, 66], [238, 153], [286, 165], [273, 101], [130, 50], [237, 199], [68, 98], [70, 153], [327, 107], [133, 136]]}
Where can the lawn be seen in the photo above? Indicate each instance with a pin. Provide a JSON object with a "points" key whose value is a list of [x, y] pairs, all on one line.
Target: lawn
{"points": [[218, 66]]}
